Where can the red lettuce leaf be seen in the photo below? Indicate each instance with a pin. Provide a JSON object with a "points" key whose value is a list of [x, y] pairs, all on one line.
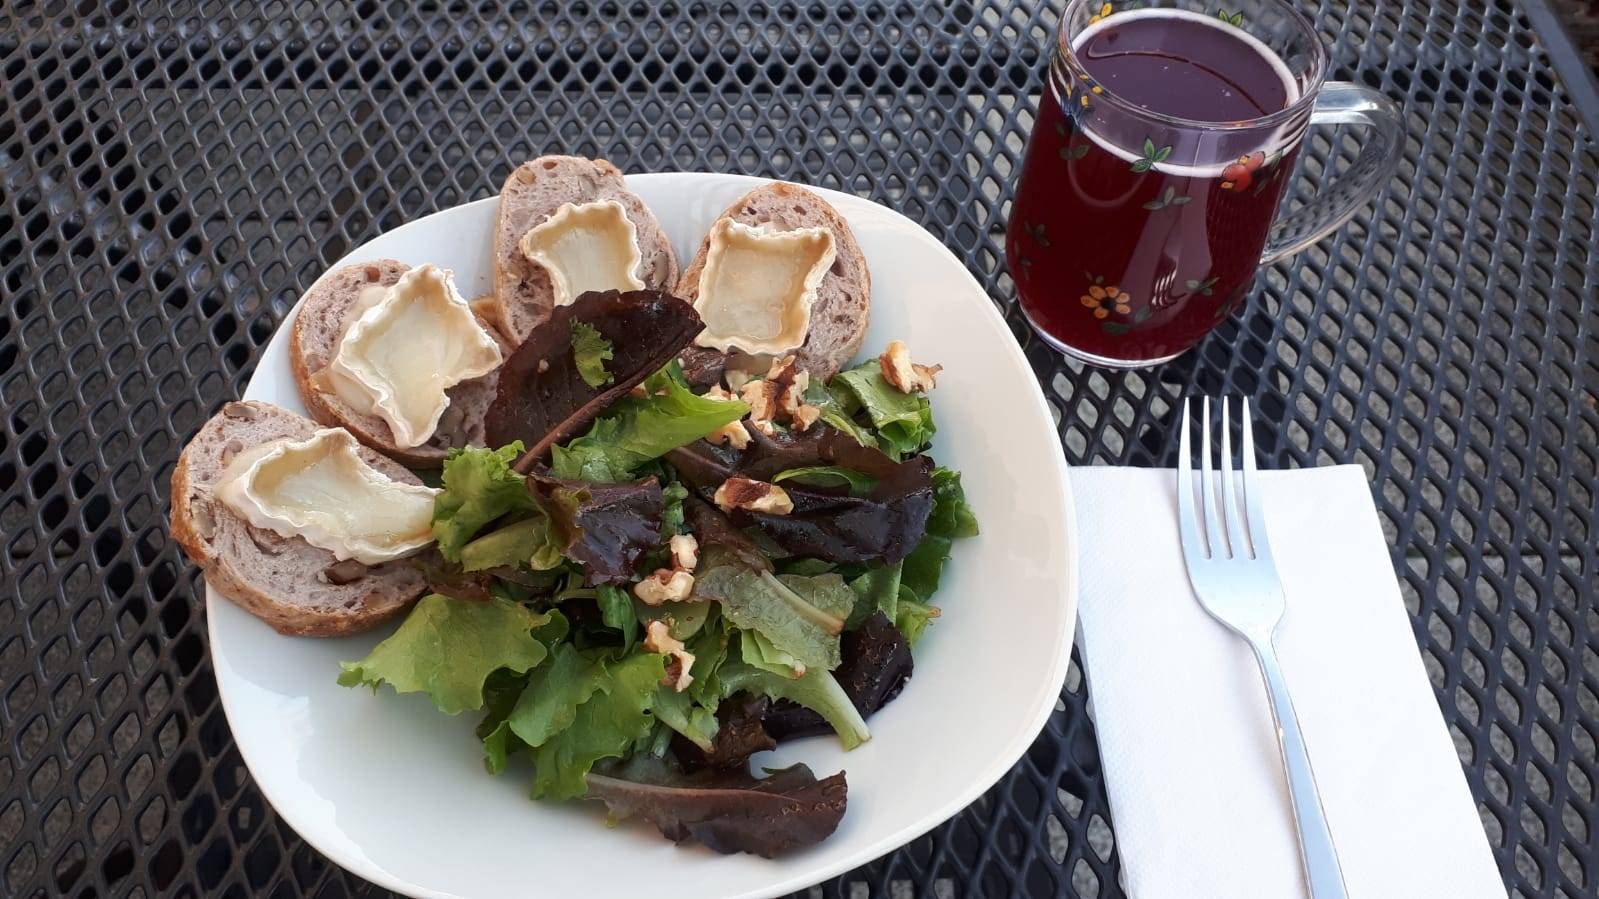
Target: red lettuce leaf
{"points": [[715, 530], [739, 735], [876, 664], [542, 398], [726, 811], [827, 523], [605, 528]]}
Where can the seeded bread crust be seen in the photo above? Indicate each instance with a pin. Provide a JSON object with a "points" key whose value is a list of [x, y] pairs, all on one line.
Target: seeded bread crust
{"points": [[532, 193], [279, 580], [318, 328], [843, 299]]}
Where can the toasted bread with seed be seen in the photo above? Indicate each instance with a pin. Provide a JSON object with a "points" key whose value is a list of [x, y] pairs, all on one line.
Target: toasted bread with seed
{"points": [[533, 192], [286, 582], [319, 326], [843, 300]]}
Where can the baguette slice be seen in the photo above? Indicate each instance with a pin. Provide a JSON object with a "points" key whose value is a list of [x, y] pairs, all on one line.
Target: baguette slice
{"points": [[532, 193], [280, 580], [843, 300], [319, 327]]}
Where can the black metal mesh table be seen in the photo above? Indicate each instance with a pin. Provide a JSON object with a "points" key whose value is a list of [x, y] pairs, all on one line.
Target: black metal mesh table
{"points": [[173, 176]]}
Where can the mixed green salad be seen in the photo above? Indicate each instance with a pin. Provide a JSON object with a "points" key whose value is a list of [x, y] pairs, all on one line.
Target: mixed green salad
{"points": [[683, 576]]}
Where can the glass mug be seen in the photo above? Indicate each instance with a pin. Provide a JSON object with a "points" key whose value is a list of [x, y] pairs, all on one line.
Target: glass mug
{"points": [[1135, 232]]}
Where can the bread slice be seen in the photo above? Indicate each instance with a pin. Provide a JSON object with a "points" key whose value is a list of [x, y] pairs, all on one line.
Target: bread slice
{"points": [[532, 193], [282, 581], [318, 328], [843, 299]]}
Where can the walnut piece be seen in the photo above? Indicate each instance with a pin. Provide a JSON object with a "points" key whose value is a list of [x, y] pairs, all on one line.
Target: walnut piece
{"points": [[805, 416], [905, 375], [658, 638], [685, 552], [761, 397], [753, 496], [677, 668], [780, 397], [733, 434], [665, 585]]}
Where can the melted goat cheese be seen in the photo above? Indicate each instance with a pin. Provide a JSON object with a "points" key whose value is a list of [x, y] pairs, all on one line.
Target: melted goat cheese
{"points": [[320, 490], [584, 247], [406, 345], [758, 285]]}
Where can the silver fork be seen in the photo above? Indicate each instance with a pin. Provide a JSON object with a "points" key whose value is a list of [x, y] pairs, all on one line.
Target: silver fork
{"points": [[1236, 581]]}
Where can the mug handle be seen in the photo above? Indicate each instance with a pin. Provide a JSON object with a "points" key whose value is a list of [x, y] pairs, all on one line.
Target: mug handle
{"points": [[1343, 103]]}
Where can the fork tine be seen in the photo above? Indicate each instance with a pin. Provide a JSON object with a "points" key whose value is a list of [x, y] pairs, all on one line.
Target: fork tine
{"points": [[1207, 489], [1253, 505], [1229, 496], [1187, 523]]}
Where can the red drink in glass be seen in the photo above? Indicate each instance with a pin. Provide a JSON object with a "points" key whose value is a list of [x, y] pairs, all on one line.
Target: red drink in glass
{"points": [[1154, 172]]}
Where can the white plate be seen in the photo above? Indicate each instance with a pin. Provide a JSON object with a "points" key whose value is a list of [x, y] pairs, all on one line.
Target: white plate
{"points": [[394, 791]]}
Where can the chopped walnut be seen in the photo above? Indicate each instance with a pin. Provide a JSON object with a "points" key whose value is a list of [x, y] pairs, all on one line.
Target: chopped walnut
{"points": [[753, 496], [735, 379], [905, 375], [665, 585], [780, 397], [761, 397], [733, 434], [685, 552], [658, 638], [677, 668], [805, 416], [637, 391], [765, 427], [717, 393]]}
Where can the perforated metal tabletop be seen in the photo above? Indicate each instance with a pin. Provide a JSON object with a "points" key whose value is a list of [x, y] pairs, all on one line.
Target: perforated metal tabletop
{"points": [[172, 176]]}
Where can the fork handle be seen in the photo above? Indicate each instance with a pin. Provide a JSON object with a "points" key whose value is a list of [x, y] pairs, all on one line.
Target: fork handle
{"points": [[1322, 873]]}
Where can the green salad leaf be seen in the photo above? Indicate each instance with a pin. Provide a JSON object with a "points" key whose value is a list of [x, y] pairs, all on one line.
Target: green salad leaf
{"points": [[818, 691], [876, 590], [911, 618], [838, 405], [686, 618], [550, 701], [500, 693], [448, 648], [591, 351], [759, 651], [950, 520], [678, 711], [802, 616], [639, 429], [904, 421], [613, 718], [859, 484], [672, 496], [529, 543], [479, 486], [616, 610]]}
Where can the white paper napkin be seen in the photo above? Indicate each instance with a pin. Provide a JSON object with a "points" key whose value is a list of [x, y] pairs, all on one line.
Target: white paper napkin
{"points": [[1196, 786]]}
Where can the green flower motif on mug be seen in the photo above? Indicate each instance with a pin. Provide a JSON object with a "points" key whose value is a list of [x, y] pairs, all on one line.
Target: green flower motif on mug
{"points": [[1202, 287], [1169, 198], [1152, 157], [1236, 18], [1036, 232]]}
